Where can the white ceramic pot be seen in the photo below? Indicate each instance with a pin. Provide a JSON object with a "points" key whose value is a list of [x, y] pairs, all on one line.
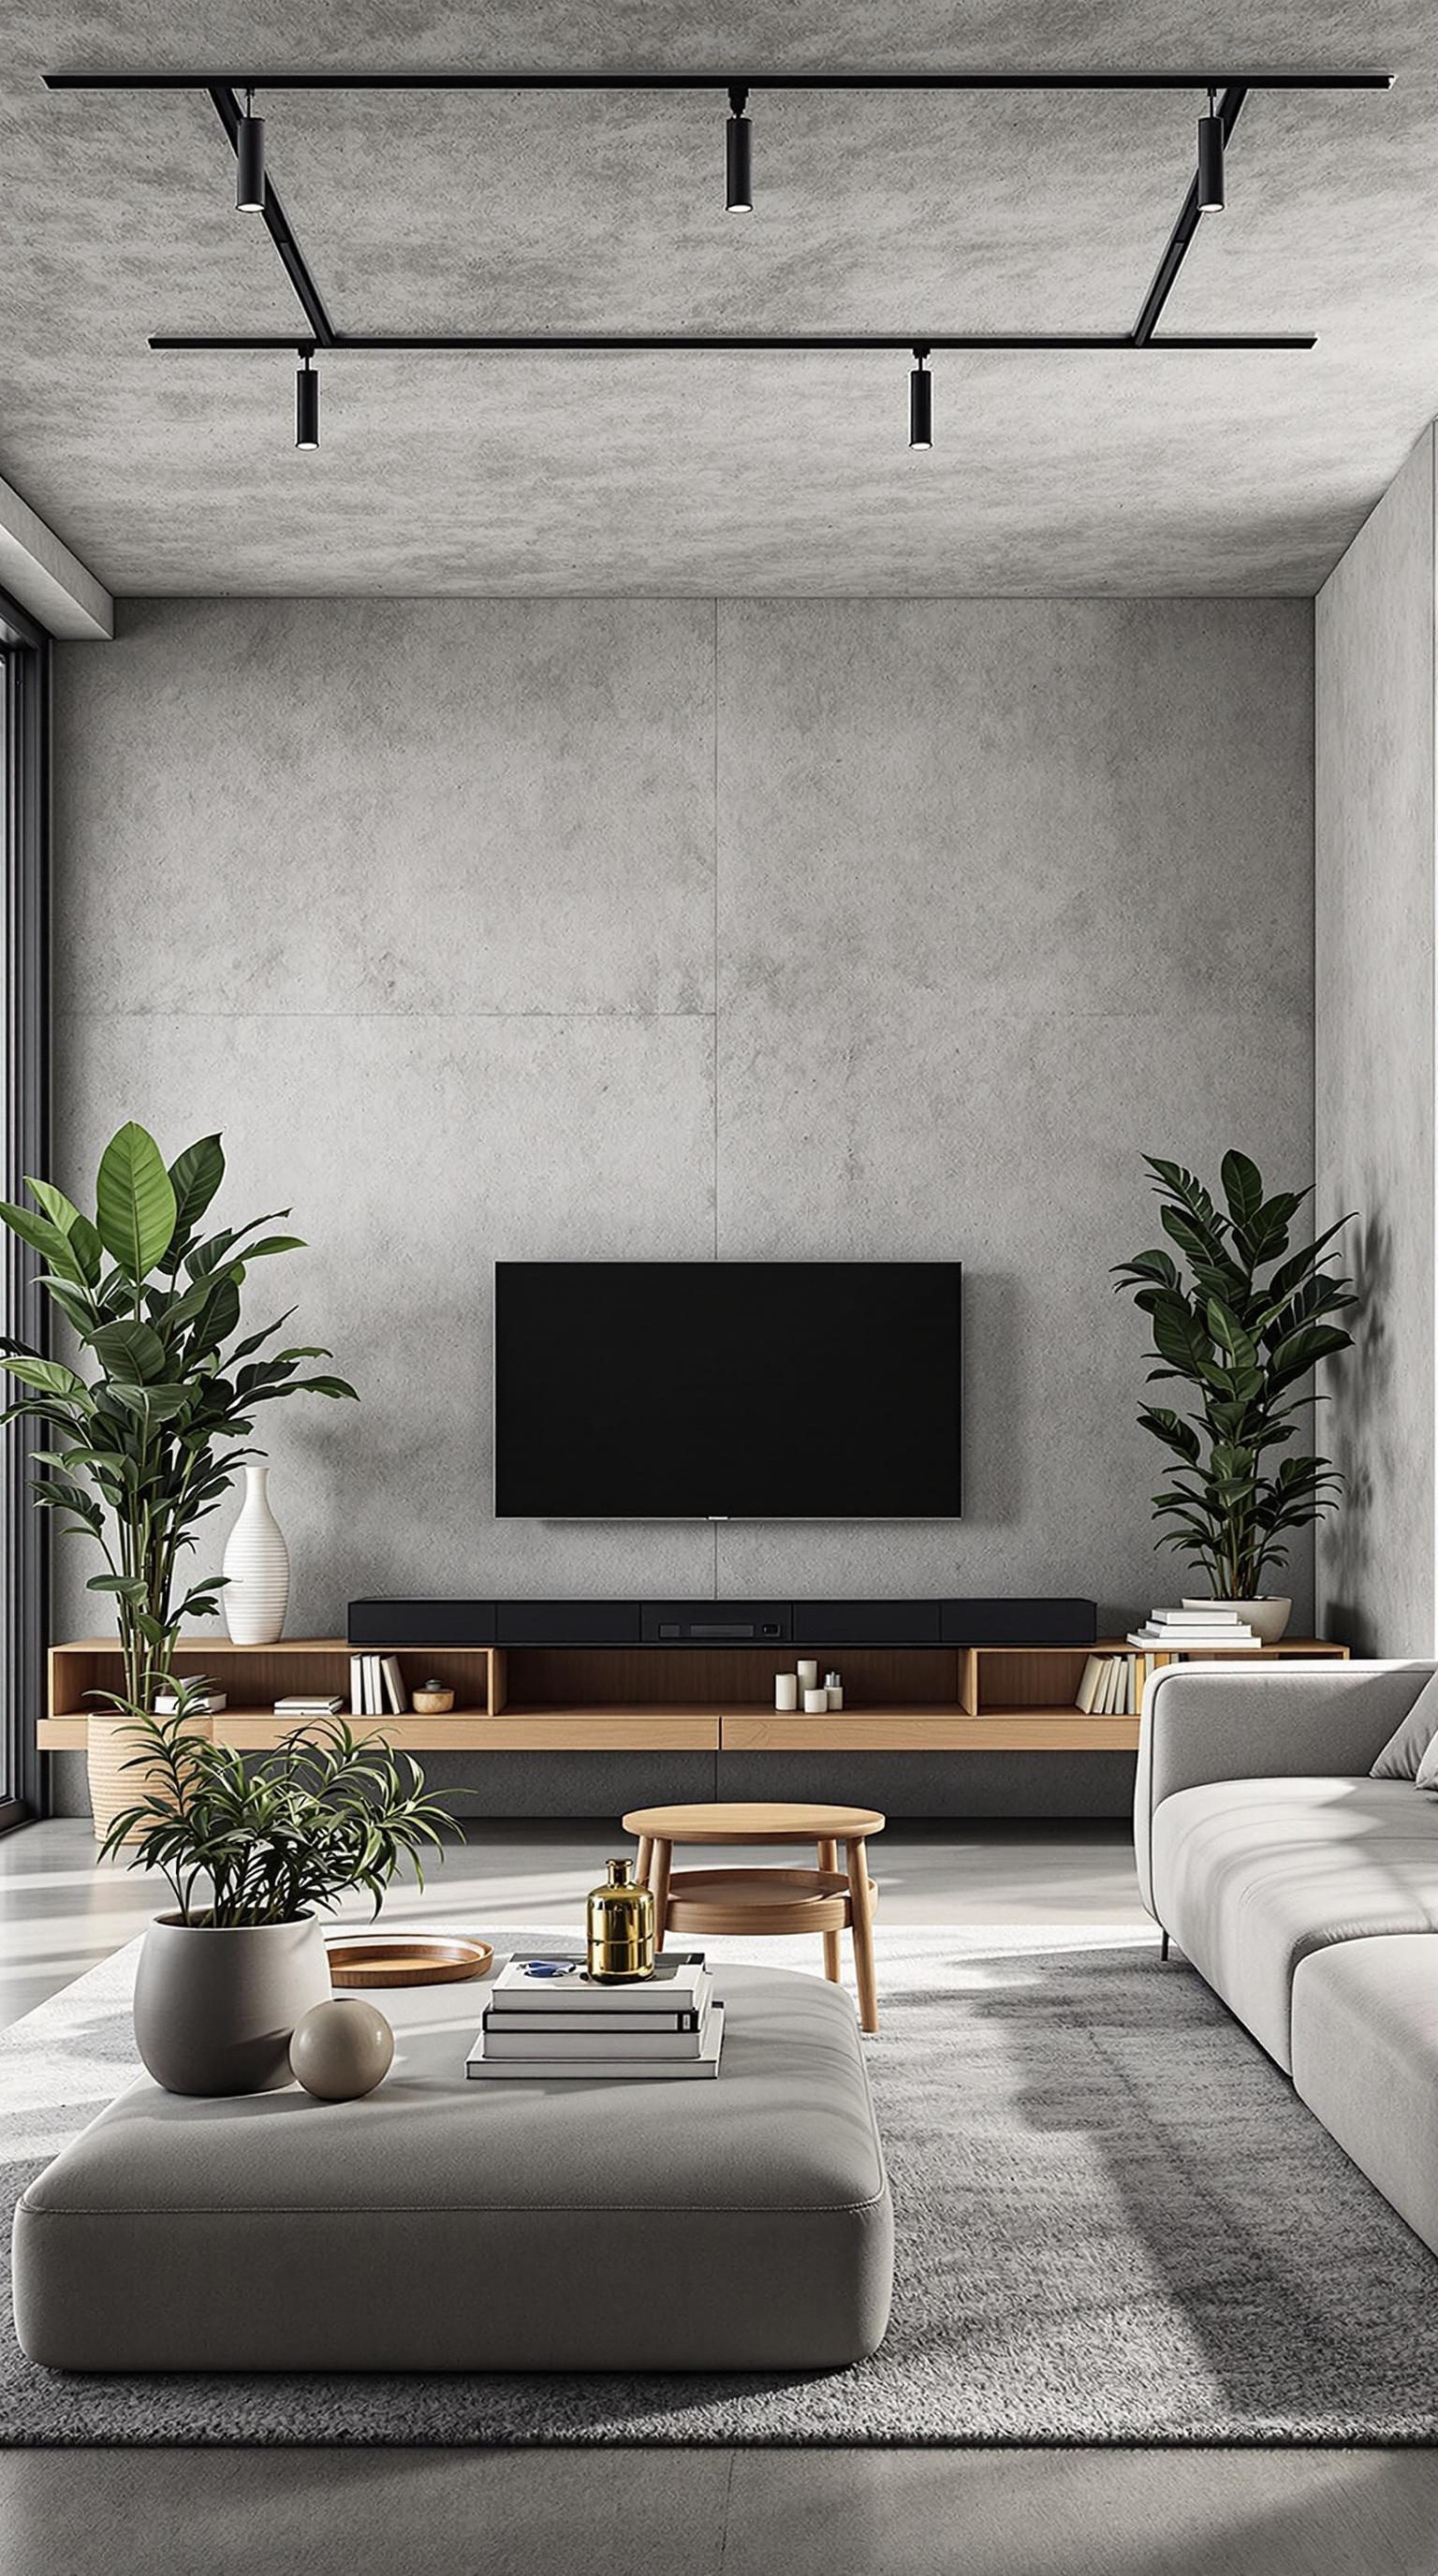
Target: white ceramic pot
{"points": [[1268, 1618], [216, 2004], [256, 1568]]}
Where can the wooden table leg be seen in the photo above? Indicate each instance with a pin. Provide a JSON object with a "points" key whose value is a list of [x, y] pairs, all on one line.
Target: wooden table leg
{"points": [[641, 1866], [659, 1881], [833, 1941], [862, 1909]]}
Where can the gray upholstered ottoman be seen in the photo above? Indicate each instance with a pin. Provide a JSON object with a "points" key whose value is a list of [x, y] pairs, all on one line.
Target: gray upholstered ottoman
{"points": [[1365, 2060], [741, 2224]]}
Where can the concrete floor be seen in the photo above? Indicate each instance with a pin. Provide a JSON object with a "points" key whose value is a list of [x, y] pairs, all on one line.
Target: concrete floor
{"points": [[694, 2513]]}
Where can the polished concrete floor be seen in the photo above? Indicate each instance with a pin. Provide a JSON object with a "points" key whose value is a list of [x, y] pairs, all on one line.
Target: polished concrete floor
{"points": [[696, 2513]]}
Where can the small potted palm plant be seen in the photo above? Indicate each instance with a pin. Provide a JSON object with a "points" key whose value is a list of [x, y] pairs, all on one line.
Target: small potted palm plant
{"points": [[254, 1850]]}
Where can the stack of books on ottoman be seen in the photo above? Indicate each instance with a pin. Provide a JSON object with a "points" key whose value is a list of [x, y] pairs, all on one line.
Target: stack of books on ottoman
{"points": [[548, 2022]]}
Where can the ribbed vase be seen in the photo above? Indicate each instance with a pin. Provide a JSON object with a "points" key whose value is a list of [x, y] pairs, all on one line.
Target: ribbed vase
{"points": [[256, 1568]]}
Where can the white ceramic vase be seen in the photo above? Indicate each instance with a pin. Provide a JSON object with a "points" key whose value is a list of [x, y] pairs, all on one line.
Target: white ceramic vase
{"points": [[256, 1568]]}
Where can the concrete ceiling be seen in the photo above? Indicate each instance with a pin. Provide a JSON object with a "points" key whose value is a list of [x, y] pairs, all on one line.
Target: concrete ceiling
{"points": [[1066, 473]]}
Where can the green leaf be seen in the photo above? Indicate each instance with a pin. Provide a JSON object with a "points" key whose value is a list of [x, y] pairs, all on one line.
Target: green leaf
{"points": [[195, 1176], [129, 1351], [272, 1243], [1170, 1427], [1242, 1187], [79, 1233], [1232, 1340], [135, 1202], [44, 1238], [50, 1377], [337, 1386]]}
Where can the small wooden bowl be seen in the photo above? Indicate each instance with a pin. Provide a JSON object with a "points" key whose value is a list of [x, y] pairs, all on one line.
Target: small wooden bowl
{"points": [[436, 1703], [407, 1960]]}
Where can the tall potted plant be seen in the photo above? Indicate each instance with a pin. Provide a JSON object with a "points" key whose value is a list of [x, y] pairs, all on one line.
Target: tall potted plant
{"points": [[254, 1849], [1240, 1321], [144, 1430]]}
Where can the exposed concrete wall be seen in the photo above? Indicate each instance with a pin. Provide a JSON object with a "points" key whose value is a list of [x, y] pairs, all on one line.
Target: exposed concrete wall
{"points": [[653, 929], [1374, 1006]]}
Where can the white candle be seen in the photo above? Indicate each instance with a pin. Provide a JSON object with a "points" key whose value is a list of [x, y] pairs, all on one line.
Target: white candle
{"points": [[834, 1694], [816, 1701], [786, 1690], [808, 1675]]}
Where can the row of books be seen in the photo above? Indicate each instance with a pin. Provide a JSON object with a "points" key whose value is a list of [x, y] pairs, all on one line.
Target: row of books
{"points": [[548, 2021], [1107, 1687], [377, 1686]]}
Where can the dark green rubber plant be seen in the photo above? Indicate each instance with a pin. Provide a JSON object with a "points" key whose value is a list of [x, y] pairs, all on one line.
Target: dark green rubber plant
{"points": [[144, 1430], [1239, 1320]]}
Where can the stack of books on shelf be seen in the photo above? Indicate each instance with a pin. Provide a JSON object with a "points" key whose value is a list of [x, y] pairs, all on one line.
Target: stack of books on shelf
{"points": [[377, 1686], [1106, 1689], [548, 2022], [303, 1704], [202, 1697], [1197, 1627]]}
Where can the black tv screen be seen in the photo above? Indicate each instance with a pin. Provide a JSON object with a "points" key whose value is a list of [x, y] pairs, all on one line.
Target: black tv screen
{"points": [[727, 1390]]}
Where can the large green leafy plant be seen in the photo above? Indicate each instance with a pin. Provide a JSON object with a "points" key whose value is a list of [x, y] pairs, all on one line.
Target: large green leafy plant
{"points": [[282, 1834], [143, 1442], [1241, 1324]]}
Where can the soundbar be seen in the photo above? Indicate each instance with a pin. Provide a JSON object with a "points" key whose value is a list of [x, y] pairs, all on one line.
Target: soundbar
{"points": [[1003, 1621]]}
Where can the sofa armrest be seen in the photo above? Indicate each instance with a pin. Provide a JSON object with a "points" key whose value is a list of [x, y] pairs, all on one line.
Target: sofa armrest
{"points": [[1204, 1722]]}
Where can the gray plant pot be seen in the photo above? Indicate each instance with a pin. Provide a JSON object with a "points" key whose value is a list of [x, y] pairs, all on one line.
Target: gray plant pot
{"points": [[215, 2004]]}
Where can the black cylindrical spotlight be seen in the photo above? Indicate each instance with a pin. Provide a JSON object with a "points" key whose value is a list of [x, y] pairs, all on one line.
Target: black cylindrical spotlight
{"points": [[921, 403], [307, 402], [738, 158], [1210, 162], [250, 161]]}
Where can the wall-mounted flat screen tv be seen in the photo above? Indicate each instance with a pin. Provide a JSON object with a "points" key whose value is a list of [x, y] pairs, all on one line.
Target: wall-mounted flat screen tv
{"points": [[727, 1390]]}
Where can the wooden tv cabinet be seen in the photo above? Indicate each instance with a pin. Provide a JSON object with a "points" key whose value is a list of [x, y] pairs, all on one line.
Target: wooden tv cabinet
{"points": [[654, 1699]]}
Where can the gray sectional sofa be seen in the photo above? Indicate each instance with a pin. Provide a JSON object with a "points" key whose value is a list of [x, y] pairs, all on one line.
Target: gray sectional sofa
{"points": [[1305, 1891]]}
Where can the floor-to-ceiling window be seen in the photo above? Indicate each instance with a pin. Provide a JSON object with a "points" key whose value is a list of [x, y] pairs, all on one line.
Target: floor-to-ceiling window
{"points": [[24, 761]]}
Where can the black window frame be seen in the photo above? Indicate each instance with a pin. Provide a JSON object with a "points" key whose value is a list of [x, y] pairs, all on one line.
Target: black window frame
{"points": [[25, 1630]]}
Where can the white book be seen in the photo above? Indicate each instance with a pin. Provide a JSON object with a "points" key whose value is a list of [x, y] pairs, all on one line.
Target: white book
{"points": [[373, 1689], [356, 1685], [1200, 1641], [680, 1983], [206, 1703], [1117, 1685], [317, 1705], [395, 1693], [1087, 1691], [602, 2070], [511, 2035], [1200, 1618]]}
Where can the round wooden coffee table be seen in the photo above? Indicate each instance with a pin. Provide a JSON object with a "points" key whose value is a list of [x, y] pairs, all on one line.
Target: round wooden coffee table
{"points": [[828, 1899]]}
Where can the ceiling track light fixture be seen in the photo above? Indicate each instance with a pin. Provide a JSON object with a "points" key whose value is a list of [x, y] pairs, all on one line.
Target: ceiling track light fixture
{"points": [[921, 399], [1210, 160], [738, 155], [307, 401], [250, 160], [1226, 91]]}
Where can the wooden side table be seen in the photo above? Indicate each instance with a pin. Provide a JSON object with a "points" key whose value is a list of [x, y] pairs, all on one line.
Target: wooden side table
{"points": [[828, 1899]]}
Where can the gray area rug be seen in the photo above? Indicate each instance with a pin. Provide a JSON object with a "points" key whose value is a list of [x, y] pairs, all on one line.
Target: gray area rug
{"points": [[1116, 2224]]}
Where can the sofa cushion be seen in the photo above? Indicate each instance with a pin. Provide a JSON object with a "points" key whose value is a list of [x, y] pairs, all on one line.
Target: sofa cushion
{"points": [[1249, 1876], [1412, 1739], [1365, 2059]]}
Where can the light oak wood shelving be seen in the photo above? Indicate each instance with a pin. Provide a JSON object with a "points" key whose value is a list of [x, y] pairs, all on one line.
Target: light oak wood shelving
{"points": [[653, 1699]]}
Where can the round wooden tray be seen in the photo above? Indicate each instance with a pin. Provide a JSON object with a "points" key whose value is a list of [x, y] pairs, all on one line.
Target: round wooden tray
{"points": [[407, 1960]]}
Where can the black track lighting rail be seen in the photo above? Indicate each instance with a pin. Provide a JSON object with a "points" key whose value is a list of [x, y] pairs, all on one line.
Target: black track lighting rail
{"points": [[731, 343], [1226, 91], [1180, 240], [1200, 79], [292, 259]]}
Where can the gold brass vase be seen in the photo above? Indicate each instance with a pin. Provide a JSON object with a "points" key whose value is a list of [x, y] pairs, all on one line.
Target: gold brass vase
{"points": [[621, 1928]]}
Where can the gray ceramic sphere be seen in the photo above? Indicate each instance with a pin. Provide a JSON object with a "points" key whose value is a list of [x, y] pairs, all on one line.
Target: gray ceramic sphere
{"points": [[341, 2049]]}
